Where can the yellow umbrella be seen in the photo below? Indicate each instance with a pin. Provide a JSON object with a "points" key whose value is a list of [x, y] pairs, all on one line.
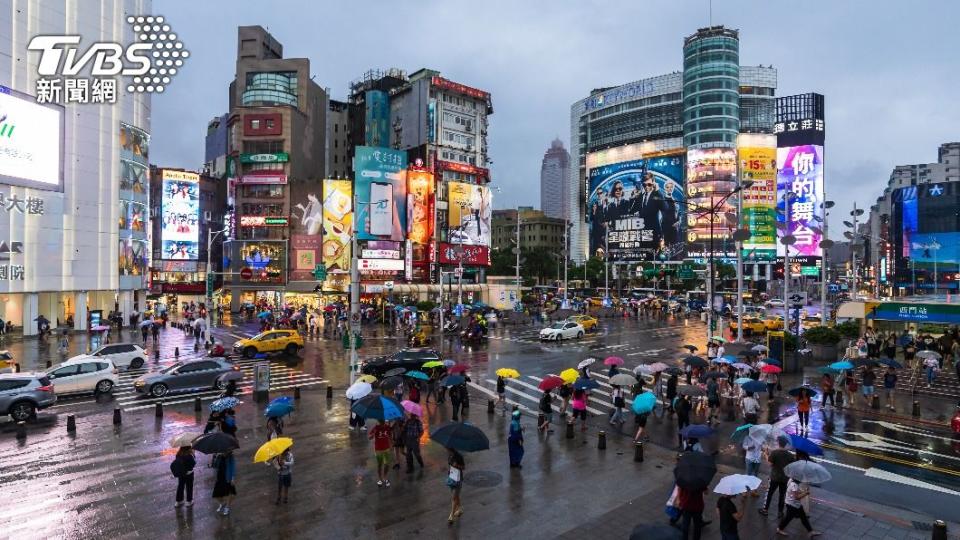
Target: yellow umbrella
{"points": [[508, 373], [569, 375], [272, 449], [367, 379]]}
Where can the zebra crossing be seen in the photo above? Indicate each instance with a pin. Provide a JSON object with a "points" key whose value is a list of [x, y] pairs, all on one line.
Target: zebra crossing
{"points": [[127, 399]]}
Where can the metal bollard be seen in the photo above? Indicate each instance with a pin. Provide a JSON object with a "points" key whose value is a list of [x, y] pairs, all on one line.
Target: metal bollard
{"points": [[21, 430], [296, 392], [329, 392], [176, 352], [49, 363], [602, 440], [490, 406], [158, 410], [196, 405], [569, 434], [939, 530], [916, 409], [875, 401], [71, 424], [116, 417], [638, 452]]}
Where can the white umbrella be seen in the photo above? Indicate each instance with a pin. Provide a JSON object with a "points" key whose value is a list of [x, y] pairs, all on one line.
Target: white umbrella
{"points": [[930, 354], [359, 390], [200, 323], [736, 484], [931, 361], [807, 471], [586, 362], [146, 322], [760, 348], [184, 439]]}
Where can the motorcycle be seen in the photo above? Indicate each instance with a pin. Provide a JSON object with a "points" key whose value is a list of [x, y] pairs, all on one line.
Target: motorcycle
{"points": [[418, 340], [473, 334], [451, 327]]}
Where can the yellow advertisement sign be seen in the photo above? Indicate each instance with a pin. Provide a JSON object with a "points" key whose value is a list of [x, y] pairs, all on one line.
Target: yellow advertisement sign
{"points": [[471, 208], [337, 225], [759, 164], [419, 206]]}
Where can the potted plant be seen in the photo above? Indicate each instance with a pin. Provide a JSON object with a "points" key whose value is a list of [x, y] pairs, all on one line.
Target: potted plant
{"points": [[822, 341]]}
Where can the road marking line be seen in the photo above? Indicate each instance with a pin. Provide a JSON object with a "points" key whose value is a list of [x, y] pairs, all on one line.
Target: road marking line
{"points": [[873, 472], [535, 399], [207, 398]]}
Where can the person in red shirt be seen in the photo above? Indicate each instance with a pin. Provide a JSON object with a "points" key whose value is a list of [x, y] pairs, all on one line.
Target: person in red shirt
{"points": [[382, 437], [690, 502]]}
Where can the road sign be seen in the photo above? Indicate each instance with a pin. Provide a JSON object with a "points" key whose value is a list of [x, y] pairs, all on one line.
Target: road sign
{"points": [[458, 272], [388, 285], [797, 299], [246, 273], [355, 318], [320, 272]]}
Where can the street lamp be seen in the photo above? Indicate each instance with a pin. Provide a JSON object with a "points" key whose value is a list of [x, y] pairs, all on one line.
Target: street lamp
{"points": [[825, 244], [211, 234]]}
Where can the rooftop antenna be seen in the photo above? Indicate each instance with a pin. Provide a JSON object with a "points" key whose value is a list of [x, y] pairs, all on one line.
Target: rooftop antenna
{"points": [[710, 12]]}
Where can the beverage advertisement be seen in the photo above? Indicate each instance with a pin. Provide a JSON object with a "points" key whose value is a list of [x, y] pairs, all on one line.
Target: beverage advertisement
{"points": [[180, 228], [759, 164], [471, 208], [337, 225], [800, 170], [384, 167], [420, 201]]}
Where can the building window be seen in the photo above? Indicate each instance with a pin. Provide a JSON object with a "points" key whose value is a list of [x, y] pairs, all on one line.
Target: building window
{"points": [[254, 124]]}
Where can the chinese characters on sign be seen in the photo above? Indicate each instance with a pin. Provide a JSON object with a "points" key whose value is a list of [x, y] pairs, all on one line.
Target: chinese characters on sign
{"points": [[13, 203], [84, 91], [11, 272], [800, 173], [805, 124]]}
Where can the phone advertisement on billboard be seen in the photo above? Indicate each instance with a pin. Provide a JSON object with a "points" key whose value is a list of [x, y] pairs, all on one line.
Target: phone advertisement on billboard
{"points": [[800, 171], [711, 176], [337, 225], [420, 201], [471, 209], [381, 184], [636, 209], [180, 227], [759, 164]]}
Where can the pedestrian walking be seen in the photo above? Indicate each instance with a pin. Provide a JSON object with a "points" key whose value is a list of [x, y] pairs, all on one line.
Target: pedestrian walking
{"points": [[546, 409], [213, 421], [64, 344], [690, 502], [932, 366], [382, 437], [778, 459], [752, 459], [713, 400], [671, 389], [826, 386], [397, 437], [619, 402], [414, 395], [867, 381], [155, 332], [455, 483], [145, 332], [501, 394], [729, 517], [803, 408], [683, 409], [412, 431], [751, 409], [890, 386], [851, 385], [182, 469], [284, 465], [771, 380], [455, 402], [797, 504], [579, 405], [432, 387], [515, 440], [356, 421], [224, 490], [565, 392]]}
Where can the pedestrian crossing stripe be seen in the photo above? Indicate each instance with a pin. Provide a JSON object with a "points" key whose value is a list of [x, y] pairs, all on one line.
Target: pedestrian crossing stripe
{"points": [[145, 398], [190, 398]]}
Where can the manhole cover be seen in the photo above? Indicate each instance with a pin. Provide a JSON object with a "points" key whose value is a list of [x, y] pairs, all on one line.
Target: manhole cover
{"points": [[482, 478]]}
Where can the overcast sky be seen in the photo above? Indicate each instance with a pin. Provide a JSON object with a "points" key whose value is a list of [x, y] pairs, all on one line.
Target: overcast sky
{"points": [[889, 70]]}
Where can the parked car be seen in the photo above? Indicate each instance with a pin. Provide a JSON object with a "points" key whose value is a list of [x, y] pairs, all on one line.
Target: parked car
{"points": [[562, 330], [774, 302], [123, 355], [23, 394], [206, 374], [7, 363], [751, 325], [97, 375], [271, 341], [408, 359], [587, 322]]}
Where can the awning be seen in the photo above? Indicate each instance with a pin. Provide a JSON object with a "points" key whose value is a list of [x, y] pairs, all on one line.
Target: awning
{"points": [[851, 310]]}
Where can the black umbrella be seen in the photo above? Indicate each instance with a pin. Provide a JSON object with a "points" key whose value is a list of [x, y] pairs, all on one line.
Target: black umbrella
{"points": [[694, 471], [712, 375], [869, 362], [463, 436], [216, 442], [673, 370], [749, 353], [695, 361], [691, 348], [390, 383], [690, 390], [378, 406], [655, 532], [795, 392], [395, 371]]}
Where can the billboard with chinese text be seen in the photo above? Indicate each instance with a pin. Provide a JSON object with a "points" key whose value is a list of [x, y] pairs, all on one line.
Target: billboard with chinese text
{"points": [[800, 171], [420, 201], [759, 164], [180, 225], [472, 255], [711, 176], [31, 142], [470, 212], [337, 225], [381, 193], [637, 210]]}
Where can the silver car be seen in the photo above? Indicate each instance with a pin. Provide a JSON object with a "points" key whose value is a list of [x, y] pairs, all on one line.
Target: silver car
{"points": [[23, 394], [205, 374]]}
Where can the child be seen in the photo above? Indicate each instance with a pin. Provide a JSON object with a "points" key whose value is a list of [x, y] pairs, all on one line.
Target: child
{"points": [[284, 465]]}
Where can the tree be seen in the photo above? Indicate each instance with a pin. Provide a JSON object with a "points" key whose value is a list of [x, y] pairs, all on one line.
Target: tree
{"points": [[502, 263], [539, 263]]}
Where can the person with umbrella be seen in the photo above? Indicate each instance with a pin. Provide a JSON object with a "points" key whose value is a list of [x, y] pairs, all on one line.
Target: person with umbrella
{"points": [[683, 408], [565, 392], [797, 505], [713, 400], [671, 389], [502, 394], [412, 431], [693, 474], [753, 457], [382, 436], [750, 407], [455, 482], [850, 383], [619, 402], [515, 440], [182, 469], [579, 405], [284, 466], [778, 459], [804, 401], [224, 490], [826, 386], [546, 409]]}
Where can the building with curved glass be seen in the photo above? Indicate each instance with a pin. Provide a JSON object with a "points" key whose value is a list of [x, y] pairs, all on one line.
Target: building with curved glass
{"points": [[711, 88]]}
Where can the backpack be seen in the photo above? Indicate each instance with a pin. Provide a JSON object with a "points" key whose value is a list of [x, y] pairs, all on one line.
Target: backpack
{"points": [[177, 468]]}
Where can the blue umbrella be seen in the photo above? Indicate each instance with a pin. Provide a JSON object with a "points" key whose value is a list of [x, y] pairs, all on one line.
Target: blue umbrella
{"points": [[827, 369], [585, 384], [732, 359], [264, 314], [754, 386], [773, 361], [743, 380], [281, 399], [804, 444], [644, 403], [842, 365], [417, 375], [378, 407], [723, 360], [278, 409], [696, 431], [890, 362], [740, 433], [223, 404], [453, 380]]}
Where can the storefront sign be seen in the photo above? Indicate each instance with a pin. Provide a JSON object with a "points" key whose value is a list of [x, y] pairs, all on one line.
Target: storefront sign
{"points": [[408, 261], [472, 255], [393, 265], [279, 157], [182, 288], [260, 221], [11, 272], [265, 178], [933, 313], [380, 254], [31, 142], [464, 168]]}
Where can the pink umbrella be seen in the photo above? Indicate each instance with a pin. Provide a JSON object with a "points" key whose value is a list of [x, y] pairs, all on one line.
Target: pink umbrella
{"points": [[613, 361], [458, 368], [412, 407], [770, 368]]}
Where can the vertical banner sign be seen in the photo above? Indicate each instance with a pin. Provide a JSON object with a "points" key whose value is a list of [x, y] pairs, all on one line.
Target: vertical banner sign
{"points": [[387, 203], [800, 170], [759, 164], [471, 208], [420, 201], [377, 119], [337, 225], [711, 174], [408, 260], [180, 229]]}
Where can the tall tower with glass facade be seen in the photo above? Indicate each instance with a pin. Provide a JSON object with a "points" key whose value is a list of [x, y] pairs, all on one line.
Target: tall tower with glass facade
{"points": [[711, 88]]}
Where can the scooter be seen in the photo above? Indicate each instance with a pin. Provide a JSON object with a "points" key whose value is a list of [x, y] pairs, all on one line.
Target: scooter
{"points": [[451, 326]]}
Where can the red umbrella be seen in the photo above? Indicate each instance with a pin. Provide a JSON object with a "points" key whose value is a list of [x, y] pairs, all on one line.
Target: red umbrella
{"points": [[329, 308], [551, 382], [458, 368], [613, 361], [770, 368]]}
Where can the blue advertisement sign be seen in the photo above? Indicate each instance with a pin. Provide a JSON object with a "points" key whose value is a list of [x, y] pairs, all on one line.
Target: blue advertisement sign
{"points": [[377, 119], [934, 313], [380, 188]]}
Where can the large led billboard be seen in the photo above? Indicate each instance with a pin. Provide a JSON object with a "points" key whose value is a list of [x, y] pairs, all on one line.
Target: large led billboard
{"points": [[470, 212], [929, 230], [31, 142], [800, 171], [381, 193], [180, 227], [636, 209], [337, 225], [711, 176], [759, 164], [420, 201]]}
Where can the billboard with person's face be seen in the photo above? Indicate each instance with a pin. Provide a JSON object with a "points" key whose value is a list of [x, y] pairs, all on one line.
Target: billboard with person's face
{"points": [[420, 201], [637, 209], [470, 212], [180, 227]]}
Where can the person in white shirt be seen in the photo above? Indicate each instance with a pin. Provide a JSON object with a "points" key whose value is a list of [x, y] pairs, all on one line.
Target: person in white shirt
{"points": [[798, 505], [751, 408]]}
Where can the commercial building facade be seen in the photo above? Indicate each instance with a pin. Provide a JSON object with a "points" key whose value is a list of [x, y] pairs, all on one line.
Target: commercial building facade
{"points": [[554, 170], [538, 231], [73, 180]]}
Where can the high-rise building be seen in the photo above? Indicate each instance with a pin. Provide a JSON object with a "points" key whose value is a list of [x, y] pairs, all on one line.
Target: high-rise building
{"points": [[553, 178], [338, 140], [75, 184], [277, 133]]}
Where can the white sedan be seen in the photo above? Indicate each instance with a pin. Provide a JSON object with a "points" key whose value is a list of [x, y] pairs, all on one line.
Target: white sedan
{"points": [[562, 330]]}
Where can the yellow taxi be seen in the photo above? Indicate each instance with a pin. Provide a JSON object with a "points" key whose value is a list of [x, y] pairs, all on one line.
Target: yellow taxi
{"points": [[7, 363], [751, 325], [773, 323], [809, 322], [271, 341], [587, 322]]}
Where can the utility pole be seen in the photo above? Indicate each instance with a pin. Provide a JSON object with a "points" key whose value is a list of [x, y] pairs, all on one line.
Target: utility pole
{"points": [[825, 245], [853, 251], [606, 266], [211, 234], [566, 257], [516, 250], [354, 330], [739, 247], [713, 213], [787, 197]]}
